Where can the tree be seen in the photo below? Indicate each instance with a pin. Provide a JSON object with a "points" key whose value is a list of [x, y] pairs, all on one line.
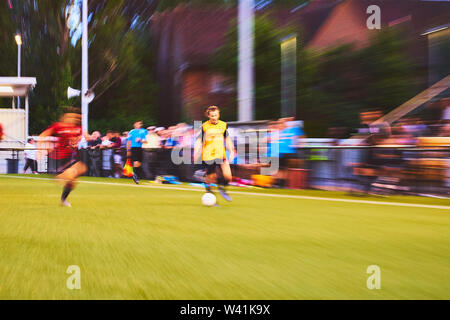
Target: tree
{"points": [[8, 49], [47, 55], [388, 70], [121, 65], [333, 86], [120, 52]]}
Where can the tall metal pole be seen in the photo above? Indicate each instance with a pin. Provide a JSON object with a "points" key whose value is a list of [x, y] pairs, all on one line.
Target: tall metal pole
{"points": [[27, 109], [246, 65], [84, 68], [19, 51], [288, 76], [18, 59]]}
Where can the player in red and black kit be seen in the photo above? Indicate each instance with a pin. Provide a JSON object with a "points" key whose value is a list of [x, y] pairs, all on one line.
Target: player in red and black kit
{"points": [[1, 132], [70, 167]]}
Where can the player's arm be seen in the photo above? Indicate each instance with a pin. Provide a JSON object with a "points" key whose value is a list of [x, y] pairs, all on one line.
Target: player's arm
{"points": [[75, 141], [229, 145], [144, 137]]}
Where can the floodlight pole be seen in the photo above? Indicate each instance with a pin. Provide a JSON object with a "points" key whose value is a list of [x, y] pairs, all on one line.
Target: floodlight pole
{"points": [[288, 75], [19, 60], [84, 68], [246, 65], [27, 110]]}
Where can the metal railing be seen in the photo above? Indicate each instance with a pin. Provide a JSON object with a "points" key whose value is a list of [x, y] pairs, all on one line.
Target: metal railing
{"points": [[392, 169]]}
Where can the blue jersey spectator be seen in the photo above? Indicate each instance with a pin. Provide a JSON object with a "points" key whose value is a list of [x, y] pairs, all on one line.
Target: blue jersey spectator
{"points": [[289, 136]]}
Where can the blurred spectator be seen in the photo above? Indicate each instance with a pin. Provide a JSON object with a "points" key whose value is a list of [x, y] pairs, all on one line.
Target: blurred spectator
{"points": [[371, 124], [117, 165], [95, 140], [399, 136], [83, 144], [107, 153], [95, 155], [272, 138], [116, 140], [83, 148], [117, 162], [171, 139], [289, 133], [445, 129], [416, 127], [124, 139], [186, 143], [169, 143], [152, 140], [365, 170], [186, 139], [151, 147], [30, 156], [161, 132]]}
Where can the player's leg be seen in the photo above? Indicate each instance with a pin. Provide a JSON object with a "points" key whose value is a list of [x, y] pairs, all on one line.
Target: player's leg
{"points": [[210, 176], [136, 158], [69, 177], [210, 179], [225, 179], [226, 171], [27, 165], [137, 171], [34, 166]]}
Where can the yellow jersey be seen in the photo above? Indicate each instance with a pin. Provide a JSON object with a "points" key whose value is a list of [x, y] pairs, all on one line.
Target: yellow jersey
{"points": [[214, 140]]}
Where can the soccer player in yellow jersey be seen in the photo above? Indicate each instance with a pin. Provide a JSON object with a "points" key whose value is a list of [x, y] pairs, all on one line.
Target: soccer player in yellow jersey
{"points": [[212, 145]]}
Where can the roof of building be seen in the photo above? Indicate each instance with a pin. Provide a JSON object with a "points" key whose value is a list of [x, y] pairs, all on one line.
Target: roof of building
{"points": [[197, 32], [16, 86]]}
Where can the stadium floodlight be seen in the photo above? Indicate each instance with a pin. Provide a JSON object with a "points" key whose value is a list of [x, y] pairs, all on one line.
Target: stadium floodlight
{"points": [[288, 75], [18, 38]]}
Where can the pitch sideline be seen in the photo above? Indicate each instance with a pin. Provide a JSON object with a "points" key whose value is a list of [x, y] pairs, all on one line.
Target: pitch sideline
{"points": [[398, 204]]}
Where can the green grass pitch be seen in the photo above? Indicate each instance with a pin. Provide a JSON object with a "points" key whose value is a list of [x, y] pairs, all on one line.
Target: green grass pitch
{"points": [[148, 242]]}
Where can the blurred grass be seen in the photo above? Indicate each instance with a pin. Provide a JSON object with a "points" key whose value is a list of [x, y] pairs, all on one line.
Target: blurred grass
{"points": [[150, 243]]}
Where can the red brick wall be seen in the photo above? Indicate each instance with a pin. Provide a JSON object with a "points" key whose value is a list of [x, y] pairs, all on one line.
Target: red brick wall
{"points": [[197, 95], [347, 23]]}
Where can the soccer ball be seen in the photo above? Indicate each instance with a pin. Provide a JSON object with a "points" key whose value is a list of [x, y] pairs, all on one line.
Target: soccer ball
{"points": [[208, 199]]}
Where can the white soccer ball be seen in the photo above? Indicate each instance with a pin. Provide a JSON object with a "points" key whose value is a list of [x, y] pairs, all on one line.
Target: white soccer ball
{"points": [[208, 199]]}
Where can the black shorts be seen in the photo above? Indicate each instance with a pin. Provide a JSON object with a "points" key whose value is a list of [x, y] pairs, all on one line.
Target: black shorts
{"points": [[211, 165], [65, 163], [136, 154]]}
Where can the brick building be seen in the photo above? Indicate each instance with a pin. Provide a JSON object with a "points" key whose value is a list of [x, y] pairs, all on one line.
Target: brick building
{"points": [[187, 38]]}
